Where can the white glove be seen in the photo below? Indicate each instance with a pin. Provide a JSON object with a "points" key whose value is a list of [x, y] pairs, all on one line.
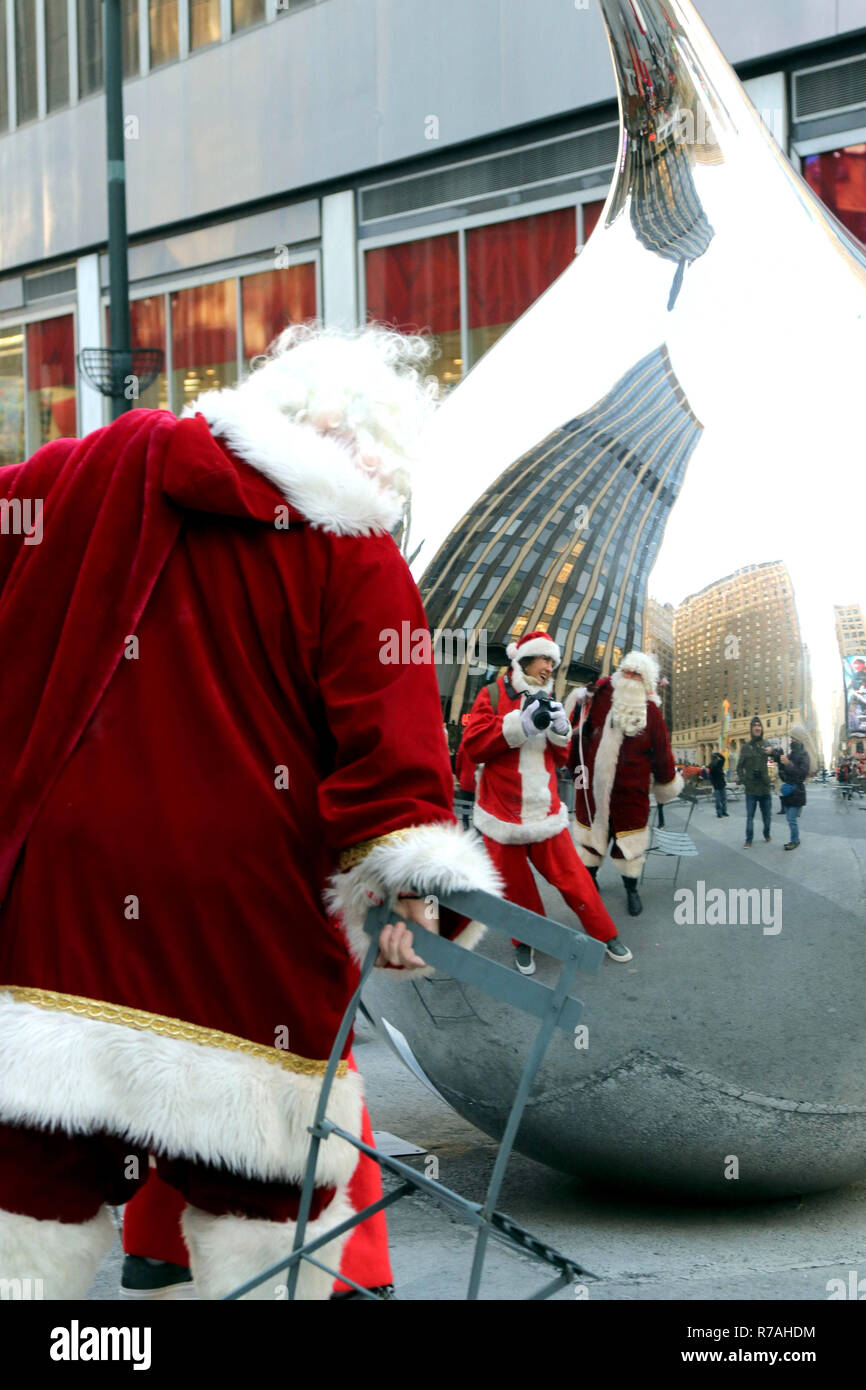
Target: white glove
{"points": [[526, 714], [581, 694], [560, 723]]}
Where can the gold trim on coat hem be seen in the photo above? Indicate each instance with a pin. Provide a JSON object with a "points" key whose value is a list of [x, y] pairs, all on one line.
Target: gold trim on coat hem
{"points": [[356, 853], [144, 1022]]}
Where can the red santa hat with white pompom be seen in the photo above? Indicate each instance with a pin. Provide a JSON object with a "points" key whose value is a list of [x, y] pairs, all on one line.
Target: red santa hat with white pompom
{"points": [[532, 644]]}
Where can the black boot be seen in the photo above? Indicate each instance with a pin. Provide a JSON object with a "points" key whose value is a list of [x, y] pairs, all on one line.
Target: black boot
{"points": [[593, 870], [635, 906]]}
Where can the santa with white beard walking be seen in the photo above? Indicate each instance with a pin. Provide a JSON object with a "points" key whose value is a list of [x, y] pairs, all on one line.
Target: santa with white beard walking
{"points": [[620, 752]]}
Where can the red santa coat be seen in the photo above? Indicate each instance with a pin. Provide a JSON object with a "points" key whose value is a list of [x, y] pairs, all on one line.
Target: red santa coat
{"points": [[173, 807], [619, 772], [517, 801]]}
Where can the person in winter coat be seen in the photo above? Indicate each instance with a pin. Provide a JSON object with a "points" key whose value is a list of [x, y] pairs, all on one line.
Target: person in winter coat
{"points": [[517, 805], [754, 774], [794, 769], [717, 777]]}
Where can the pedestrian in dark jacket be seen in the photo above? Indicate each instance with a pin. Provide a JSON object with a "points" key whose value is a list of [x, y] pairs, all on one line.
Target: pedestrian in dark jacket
{"points": [[753, 773], [720, 786], [794, 770]]}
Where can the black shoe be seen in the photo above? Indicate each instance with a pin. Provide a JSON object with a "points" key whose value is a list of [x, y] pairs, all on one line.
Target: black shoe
{"points": [[592, 870], [781, 813], [524, 959], [794, 844], [747, 844], [617, 951], [635, 906], [157, 1279], [383, 1292]]}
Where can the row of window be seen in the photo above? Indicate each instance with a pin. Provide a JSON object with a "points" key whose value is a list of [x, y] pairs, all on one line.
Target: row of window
{"points": [[465, 288], [209, 334], [64, 20]]}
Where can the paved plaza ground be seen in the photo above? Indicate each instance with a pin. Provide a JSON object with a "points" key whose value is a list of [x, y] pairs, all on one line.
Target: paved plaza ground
{"points": [[638, 1250]]}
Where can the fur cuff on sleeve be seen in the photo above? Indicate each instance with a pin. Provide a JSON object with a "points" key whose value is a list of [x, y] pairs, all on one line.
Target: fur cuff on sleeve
{"points": [[432, 859], [512, 729], [667, 791], [559, 740]]}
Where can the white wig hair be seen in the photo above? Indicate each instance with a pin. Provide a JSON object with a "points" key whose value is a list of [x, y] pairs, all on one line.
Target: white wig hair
{"points": [[643, 664], [365, 387]]}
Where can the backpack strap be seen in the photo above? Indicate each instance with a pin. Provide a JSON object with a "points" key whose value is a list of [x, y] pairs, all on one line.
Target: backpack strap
{"points": [[493, 693]]}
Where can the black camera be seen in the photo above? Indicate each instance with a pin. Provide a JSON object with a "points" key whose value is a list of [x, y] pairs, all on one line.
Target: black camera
{"points": [[541, 718]]}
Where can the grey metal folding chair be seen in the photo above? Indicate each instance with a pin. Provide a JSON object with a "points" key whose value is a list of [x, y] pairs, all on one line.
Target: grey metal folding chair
{"points": [[671, 843], [553, 1006]]}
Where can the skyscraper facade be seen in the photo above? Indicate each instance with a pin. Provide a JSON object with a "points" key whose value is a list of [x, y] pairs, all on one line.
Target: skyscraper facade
{"points": [[850, 629], [738, 641], [658, 638]]}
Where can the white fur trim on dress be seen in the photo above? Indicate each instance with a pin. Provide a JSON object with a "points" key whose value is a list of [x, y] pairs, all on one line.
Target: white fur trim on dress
{"points": [[667, 791], [226, 1251], [82, 1075], [63, 1255], [314, 473], [506, 832], [434, 859]]}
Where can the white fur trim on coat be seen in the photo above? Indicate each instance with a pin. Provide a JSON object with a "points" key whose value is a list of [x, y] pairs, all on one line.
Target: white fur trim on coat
{"points": [[314, 473], [506, 832], [559, 740], [226, 1251], [667, 791], [603, 774], [435, 859], [512, 729], [63, 1255], [82, 1075]]}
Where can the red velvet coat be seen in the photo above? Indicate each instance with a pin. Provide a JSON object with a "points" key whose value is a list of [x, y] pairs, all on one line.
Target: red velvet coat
{"points": [[196, 721], [614, 790]]}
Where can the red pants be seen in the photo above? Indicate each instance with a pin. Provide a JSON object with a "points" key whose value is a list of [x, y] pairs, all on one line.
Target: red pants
{"points": [[151, 1222], [557, 861]]}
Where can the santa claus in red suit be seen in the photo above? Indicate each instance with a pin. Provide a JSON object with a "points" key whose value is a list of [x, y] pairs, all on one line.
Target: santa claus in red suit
{"points": [[620, 751], [521, 744], [210, 765]]}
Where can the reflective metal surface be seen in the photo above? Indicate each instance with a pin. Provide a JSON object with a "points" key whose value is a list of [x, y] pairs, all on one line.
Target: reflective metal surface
{"points": [[713, 256]]}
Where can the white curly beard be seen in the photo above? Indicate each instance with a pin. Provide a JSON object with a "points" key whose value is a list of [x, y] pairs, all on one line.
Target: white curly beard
{"points": [[628, 708]]}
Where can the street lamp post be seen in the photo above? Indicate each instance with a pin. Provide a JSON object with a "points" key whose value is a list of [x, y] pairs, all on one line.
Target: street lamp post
{"points": [[118, 267]]}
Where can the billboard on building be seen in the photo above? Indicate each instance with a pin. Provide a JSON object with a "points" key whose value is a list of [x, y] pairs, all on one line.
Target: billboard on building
{"points": [[854, 674]]}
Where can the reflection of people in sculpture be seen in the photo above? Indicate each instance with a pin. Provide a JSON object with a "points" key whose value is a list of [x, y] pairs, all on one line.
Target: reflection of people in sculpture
{"points": [[620, 749], [517, 808]]}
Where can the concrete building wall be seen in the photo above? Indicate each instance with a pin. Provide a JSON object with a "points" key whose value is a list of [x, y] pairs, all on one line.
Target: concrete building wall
{"points": [[325, 93]]}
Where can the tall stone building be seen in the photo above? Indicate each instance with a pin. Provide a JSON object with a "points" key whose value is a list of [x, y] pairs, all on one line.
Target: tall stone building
{"points": [[658, 638], [850, 629], [738, 640]]}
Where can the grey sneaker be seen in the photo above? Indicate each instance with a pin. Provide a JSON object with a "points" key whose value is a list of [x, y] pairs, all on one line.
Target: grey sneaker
{"points": [[618, 951], [524, 959]]}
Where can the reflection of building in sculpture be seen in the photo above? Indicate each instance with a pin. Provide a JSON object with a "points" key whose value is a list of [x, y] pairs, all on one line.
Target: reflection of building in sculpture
{"points": [[738, 639], [565, 538], [658, 638]]}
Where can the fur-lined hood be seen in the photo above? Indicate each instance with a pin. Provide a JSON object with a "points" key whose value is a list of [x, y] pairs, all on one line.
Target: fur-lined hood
{"points": [[317, 476]]}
